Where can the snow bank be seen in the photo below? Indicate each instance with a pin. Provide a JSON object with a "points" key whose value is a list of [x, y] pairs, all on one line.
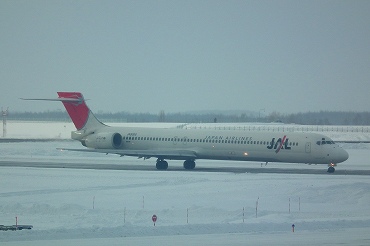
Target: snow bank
{"points": [[62, 130]]}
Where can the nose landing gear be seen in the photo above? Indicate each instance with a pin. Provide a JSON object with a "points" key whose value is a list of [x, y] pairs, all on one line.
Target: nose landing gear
{"points": [[331, 168]]}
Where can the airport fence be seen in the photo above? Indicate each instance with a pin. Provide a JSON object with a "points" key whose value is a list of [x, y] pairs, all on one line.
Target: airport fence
{"points": [[284, 128]]}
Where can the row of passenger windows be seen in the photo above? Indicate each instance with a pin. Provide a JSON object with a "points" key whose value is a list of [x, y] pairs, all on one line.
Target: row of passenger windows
{"points": [[204, 140]]}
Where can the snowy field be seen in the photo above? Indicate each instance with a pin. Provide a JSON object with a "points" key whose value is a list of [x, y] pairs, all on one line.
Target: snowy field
{"points": [[108, 207], [61, 130]]}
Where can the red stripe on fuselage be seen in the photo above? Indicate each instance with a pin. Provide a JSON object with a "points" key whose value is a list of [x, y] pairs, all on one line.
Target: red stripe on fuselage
{"points": [[281, 144]]}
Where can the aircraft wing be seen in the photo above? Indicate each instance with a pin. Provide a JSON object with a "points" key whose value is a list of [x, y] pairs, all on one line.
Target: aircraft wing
{"points": [[174, 154]]}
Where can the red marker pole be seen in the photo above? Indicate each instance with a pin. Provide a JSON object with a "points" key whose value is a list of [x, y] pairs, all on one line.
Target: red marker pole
{"points": [[154, 218]]}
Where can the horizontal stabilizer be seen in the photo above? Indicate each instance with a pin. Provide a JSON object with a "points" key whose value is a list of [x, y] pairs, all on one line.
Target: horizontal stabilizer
{"points": [[54, 99]]}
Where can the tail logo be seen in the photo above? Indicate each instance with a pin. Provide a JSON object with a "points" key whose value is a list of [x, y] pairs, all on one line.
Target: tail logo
{"points": [[76, 107]]}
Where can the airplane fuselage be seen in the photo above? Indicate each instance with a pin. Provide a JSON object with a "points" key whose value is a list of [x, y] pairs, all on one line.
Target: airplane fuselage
{"points": [[222, 144]]}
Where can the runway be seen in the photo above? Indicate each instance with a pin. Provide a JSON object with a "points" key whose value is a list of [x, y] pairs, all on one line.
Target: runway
{"points": [[134, 167]]}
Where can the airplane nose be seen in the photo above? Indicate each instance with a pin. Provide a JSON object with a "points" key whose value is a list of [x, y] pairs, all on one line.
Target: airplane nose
{"points": [[342, 155], [346, 155]]}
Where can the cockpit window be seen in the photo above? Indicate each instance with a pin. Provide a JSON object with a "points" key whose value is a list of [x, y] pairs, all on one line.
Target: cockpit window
{"points": [[323, 141]]}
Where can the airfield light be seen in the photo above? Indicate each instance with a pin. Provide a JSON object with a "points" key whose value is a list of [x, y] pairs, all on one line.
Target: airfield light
{"points": [[5, 115]]}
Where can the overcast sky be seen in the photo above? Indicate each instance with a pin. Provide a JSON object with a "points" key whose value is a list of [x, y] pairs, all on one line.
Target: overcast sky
{"points": [[178, 56]]}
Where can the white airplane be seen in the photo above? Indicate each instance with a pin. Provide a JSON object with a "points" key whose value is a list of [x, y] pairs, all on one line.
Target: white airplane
{"points": [[192, 144]]}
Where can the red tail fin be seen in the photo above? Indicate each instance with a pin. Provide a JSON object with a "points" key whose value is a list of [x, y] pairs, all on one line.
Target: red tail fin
{"points": [[76, 108]]}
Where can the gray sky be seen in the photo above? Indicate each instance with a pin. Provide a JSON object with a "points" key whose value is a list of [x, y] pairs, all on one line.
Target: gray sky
{"points": [[177, 56]]}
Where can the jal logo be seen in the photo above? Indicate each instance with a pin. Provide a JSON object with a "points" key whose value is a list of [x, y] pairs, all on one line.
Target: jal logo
{"points": [[281, 143]]}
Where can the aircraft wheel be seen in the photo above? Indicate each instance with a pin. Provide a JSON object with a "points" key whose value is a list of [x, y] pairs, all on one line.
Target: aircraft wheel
{"points": [[331, 169], [189, 164], [162, 165]]}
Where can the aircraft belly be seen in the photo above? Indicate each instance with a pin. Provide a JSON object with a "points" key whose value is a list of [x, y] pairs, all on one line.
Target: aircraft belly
{"points": [[235, 155]]}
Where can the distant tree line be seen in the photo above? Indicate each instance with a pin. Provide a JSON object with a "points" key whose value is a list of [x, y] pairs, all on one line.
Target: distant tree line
{"points": [[309, 118], [323, 118]]}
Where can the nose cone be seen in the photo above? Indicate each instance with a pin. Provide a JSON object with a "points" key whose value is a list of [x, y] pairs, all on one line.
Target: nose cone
{"points": [[342, 155]]}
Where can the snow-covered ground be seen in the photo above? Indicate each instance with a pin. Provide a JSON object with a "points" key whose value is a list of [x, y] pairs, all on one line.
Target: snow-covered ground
{"points": [[107, 207], [59, 130]]}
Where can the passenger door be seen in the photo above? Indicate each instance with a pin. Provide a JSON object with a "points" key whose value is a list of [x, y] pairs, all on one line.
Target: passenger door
{"points": [[308, 147]]}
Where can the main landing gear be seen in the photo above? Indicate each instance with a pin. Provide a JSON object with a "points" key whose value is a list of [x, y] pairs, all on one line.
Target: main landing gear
{"points": [[189, 164], [163, 165]]}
